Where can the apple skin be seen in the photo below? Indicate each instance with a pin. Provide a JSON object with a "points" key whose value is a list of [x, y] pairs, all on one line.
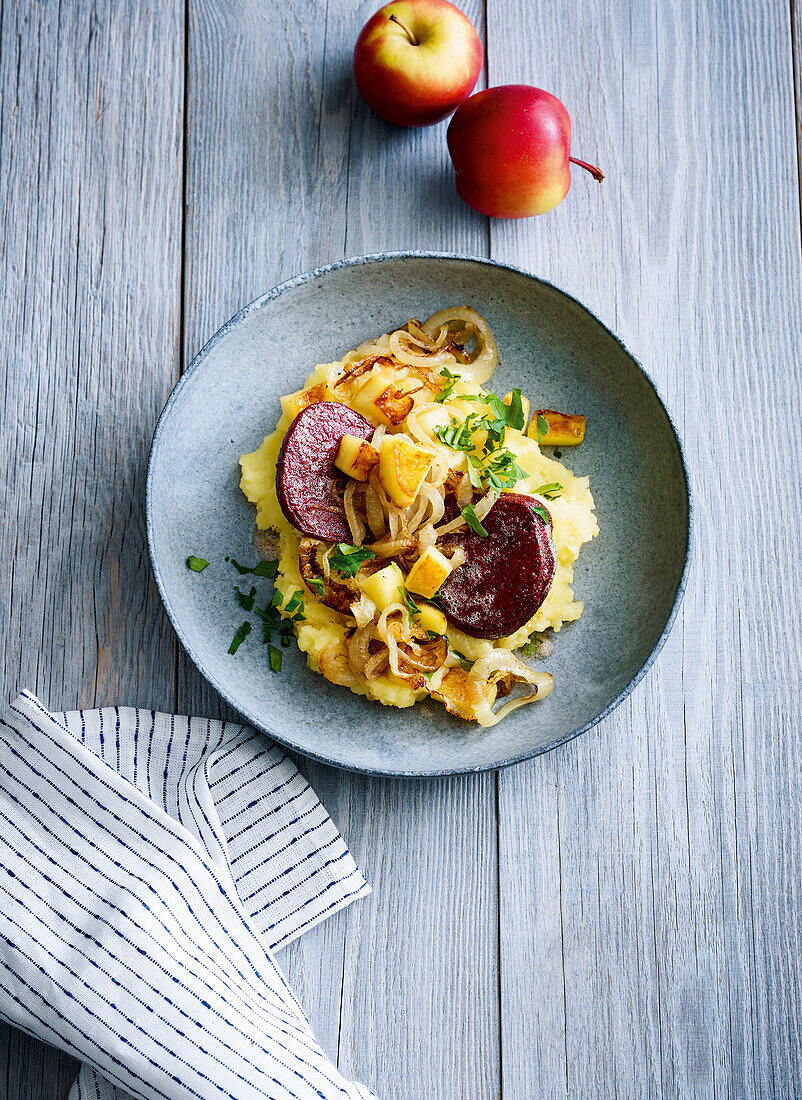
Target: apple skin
{"points": [[510, 147], [416, 85]]}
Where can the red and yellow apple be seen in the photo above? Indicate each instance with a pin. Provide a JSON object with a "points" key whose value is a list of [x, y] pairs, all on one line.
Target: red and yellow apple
{"points": [[416, 60], [510, 147]]}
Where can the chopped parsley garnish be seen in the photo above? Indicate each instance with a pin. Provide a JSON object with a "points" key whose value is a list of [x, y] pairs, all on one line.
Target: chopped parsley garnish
{"points": [[268, 614], [448, 388], [494, 467], [239, 637], [459, 434], [262, 569], [542, 426], [270, 622], [501, 471], [541, 512], [515, 416], [275, 659], [197, 565], [475, 524], [347, 559], [531, 647], [408, 601], [475, 471], [317, 584], [245, 599], [550, 491], [294, 608]]}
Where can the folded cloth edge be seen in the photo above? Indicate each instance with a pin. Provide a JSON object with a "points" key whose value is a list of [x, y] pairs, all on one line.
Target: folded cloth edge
{"points": [[246, 752]]}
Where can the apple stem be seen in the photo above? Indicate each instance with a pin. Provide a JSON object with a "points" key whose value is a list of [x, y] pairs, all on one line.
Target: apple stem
{"points": [[394, 19], [594, 171]]}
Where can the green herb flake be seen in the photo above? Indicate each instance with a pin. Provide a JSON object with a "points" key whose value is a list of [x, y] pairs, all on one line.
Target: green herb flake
{"points": [[239, 637], [275, 659], [317, 585], [448, 388], [347, 559], [241, 569], [268, 614], [408, 601], [469, 513], [530, 648], [261, 569], [541, 512], [542, 426], [197, 565], [550, 491], [294, 606], [475, 472], [515, 412], [245, 599], [266, 569], [501, 471]]}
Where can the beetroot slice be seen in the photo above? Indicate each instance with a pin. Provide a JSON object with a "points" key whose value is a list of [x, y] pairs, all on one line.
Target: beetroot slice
{"points": [[305, 468], [506, 574]]}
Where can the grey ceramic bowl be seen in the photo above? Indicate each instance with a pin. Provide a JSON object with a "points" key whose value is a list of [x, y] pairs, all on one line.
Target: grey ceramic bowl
{"points": [[631, 577]]}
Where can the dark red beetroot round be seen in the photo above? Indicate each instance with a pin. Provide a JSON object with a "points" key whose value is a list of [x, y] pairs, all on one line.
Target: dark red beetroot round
{"points": [[305, 469], [506, 574]]}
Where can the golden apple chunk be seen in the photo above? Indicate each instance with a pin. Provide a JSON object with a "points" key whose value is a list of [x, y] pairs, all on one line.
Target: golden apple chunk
{"points": [[431, 618], [293, 403], [356, 457], [428, 572], [564, 429], [382, 587], [384, 400], [402, 467]]}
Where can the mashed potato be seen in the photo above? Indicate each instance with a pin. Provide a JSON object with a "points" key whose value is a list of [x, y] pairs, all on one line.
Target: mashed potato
{"points": [[573, 524]]}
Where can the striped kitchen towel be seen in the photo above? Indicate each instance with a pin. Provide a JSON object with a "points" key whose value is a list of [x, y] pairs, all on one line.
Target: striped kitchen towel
{"points": [[149, 867]]}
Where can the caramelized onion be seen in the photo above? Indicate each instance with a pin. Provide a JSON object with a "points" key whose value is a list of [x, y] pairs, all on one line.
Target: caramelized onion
{"points": [[376, 665], [334, 664], [481, 509], [375, 515], [484, 358], [355, 524], [407, 350]]}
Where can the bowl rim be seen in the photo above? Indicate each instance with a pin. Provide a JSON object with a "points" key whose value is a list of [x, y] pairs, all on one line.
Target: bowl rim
{"points": [[365, 260]]}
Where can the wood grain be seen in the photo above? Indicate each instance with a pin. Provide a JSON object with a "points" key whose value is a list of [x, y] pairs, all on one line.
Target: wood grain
{"points": [[652, 945], [621, 918], [90, 175], [287, 169]]}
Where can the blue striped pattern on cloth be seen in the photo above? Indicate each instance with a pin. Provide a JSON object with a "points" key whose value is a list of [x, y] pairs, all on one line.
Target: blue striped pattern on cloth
{"points": [[149, 866]]}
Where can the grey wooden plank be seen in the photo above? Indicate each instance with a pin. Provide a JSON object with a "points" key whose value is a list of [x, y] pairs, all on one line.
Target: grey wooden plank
{"points": [[287, 169], [796, 49], [266, 168], [36, 1071], [90, 175], [650, 918]]}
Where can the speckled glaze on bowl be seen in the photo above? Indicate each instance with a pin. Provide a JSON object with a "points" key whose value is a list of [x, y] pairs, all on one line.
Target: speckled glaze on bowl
{"points": [[631, 577]]}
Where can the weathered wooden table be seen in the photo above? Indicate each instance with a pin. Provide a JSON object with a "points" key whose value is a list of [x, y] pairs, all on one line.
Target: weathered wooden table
{"points": [[619, 918]]}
